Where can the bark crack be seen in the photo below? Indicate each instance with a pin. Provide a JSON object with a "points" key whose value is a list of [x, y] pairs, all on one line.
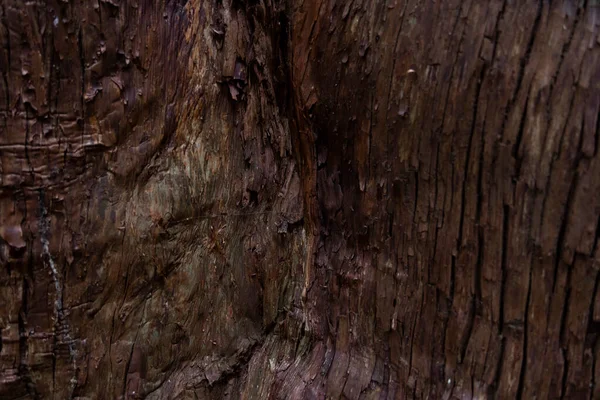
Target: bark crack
{"points": [[523, 64], [62, 332]]}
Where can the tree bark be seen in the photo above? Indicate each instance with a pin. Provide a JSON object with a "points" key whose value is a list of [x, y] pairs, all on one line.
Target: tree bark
{"points": [[314, 199]]}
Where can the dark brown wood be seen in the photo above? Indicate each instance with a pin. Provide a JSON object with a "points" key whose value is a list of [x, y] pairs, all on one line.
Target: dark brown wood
{"points": [[314, 199]]}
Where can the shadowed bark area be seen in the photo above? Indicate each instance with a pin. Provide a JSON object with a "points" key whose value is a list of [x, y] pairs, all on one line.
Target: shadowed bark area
{"points": [[313, 199]]}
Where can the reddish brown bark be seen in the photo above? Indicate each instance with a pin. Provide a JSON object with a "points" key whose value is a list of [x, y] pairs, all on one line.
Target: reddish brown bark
{"points": [[313, 199]]}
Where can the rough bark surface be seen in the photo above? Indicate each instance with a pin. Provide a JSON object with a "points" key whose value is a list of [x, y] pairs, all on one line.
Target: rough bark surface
{"points": [[312, 199]]}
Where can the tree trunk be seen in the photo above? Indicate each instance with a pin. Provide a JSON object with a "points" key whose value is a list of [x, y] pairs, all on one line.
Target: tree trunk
{"points": [[312, 199]]}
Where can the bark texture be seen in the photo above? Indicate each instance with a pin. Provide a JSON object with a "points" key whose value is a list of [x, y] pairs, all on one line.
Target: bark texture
{"points": [[312, 199]]}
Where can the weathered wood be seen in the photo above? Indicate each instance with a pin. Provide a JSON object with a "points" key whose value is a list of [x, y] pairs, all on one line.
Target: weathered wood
{"points": [[312, 199]]}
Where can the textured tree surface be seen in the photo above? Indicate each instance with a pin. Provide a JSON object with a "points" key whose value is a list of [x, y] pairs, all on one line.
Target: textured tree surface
{"points": [[314, 199]]}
